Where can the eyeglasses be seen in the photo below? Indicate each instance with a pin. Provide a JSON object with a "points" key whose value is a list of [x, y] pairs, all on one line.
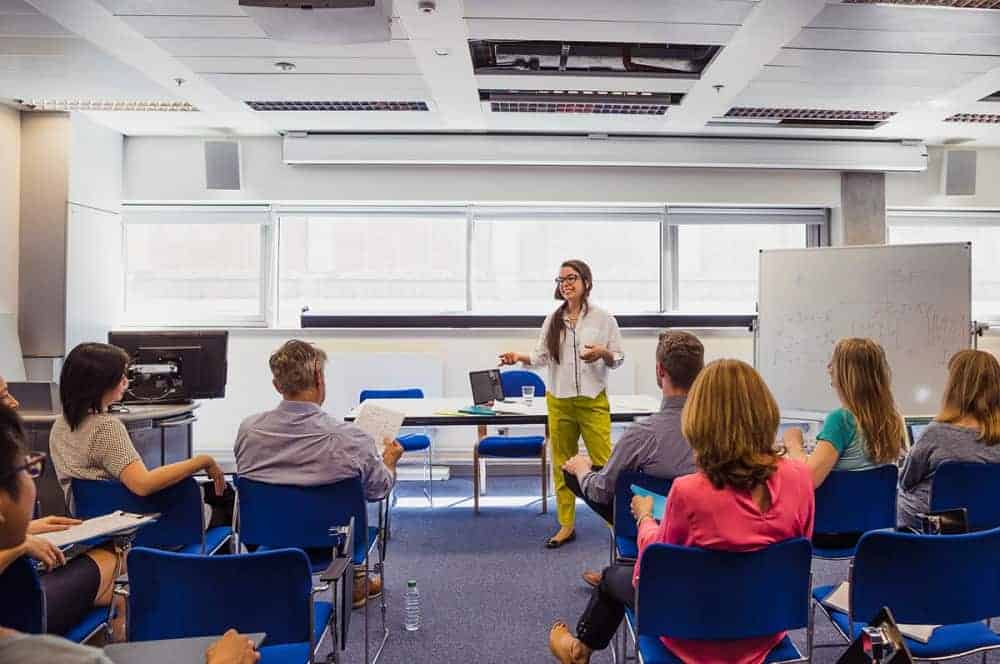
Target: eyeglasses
{"points": [[571, 279], [34, 465]]}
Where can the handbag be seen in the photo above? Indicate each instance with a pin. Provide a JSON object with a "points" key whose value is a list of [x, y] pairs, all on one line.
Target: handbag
{"points": [[879, 643], [945, 522]]}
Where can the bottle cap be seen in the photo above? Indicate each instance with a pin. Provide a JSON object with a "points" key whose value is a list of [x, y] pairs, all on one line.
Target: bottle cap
{"points": [[411, 584]]}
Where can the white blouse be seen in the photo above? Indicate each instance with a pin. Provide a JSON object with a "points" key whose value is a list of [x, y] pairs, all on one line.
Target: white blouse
{"points": [[572, 377]]}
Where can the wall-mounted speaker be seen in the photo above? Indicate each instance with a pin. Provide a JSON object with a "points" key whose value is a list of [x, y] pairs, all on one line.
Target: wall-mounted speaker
{"points": [[222, 165], [959, 172]]}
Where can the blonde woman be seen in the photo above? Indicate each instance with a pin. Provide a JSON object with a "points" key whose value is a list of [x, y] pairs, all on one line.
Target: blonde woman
{"points": [[867, 430], [967, 429], [744, 497]]}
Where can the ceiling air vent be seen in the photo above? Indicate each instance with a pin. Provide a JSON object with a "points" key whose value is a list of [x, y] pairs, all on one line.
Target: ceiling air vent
{"points": [[962, 4], [982, 118], [806, 117], [101, 105], [590, 58], [338, 105], [578, 101]]}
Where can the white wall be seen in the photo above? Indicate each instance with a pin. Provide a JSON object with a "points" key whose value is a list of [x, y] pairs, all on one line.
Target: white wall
{"points": [[173, 169], [10, 204], [927, 190], [94, 287]]}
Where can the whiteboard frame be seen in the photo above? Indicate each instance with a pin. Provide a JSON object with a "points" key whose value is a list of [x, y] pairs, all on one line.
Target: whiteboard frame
{"points": [[975, 328]]}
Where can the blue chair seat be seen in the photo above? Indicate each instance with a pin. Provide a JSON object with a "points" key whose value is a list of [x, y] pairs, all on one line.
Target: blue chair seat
{"points": [[654, 652], [297, 653], [626, 547], [214, 538], [511, 446], [945, 642], [834, 554], [92, 621], [414, 442]]}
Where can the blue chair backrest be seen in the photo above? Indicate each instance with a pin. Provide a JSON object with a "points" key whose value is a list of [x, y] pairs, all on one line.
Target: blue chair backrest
{"points": [[692, 593], [23, 605], [279, 515], [408, 393], [179, 506], [513, 380], [856, 501], [973, 486], [927, 579], [624, 521], [176, 595]]}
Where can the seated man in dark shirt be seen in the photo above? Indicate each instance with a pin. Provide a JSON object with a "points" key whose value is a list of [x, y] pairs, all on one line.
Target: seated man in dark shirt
{"points": [[654, 446]]}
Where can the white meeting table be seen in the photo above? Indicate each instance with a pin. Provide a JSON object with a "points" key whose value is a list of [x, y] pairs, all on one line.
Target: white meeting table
{"points": [[443, 412]]}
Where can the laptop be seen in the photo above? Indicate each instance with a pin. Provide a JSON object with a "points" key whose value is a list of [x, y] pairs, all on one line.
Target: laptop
{"points": [[36, 397], [486, 386]]}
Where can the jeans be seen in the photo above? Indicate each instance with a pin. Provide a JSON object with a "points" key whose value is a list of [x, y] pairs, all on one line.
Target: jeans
{"points": [[606, 608]]}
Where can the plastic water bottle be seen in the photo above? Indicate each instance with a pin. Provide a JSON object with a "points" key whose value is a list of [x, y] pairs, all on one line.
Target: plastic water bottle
{"points": [[412, 623]]}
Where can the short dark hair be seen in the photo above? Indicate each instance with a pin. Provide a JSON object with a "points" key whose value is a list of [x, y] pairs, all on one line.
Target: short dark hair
{"points": [[681, 355], [88, 372], [11, 448]]}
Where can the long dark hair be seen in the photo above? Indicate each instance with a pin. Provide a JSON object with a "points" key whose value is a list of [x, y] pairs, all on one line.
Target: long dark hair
{"points": [[557, 327], [11, 449], [89, 371]]}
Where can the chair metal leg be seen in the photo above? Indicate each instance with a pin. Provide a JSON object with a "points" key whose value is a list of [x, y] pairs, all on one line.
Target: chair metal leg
{"points": [[475, 478], [430, 476], [545, 481]]}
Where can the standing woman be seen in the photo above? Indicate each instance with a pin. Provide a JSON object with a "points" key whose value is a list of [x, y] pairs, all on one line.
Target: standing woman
{"points": [[579, 342]]}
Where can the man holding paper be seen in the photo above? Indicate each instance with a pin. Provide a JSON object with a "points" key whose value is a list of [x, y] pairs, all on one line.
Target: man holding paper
{"points": [[300, 444]]}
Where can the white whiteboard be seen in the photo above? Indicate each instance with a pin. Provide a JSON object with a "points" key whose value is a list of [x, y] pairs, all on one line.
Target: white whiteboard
{"points": [[914, 299]]}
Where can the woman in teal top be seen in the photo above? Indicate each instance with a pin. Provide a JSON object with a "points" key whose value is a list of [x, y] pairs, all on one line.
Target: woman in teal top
{"points": [[867, 430]]}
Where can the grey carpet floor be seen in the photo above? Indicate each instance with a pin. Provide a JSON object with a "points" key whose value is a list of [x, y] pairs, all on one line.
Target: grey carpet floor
{"points": [[489, 589]]}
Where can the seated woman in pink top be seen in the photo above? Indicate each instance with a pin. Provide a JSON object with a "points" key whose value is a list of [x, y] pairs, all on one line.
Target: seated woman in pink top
{"points": [[745, 496]]}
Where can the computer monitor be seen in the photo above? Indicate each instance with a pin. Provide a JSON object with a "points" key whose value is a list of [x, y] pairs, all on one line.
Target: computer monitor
{"points": [[174, 366], [916, 431]]}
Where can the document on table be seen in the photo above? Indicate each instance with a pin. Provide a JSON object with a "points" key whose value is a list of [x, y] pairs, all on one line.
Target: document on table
{"points": [[100, 526], [379, 423], [840, 598]]}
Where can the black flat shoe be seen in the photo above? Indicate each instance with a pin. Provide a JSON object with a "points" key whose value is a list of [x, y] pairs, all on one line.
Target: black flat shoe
{"points": [[553, 543]]}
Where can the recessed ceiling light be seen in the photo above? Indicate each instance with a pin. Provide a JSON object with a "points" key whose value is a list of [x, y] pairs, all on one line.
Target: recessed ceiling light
{"points": [[284, 66], [427, 6]]}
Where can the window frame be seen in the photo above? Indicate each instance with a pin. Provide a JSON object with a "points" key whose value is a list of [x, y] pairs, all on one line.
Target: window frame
{"points": [[670, 218], [914, 217], [144, 214]]}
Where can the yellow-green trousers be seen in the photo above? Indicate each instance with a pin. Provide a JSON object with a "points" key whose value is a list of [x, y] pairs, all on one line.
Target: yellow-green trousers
{"points": [[570, 418]]}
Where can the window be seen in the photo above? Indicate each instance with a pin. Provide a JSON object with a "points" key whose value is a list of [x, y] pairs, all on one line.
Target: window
{"points": [[980, 227], [516, 254], [715, 253], [262, 265], [372, 261], [204, 265]]}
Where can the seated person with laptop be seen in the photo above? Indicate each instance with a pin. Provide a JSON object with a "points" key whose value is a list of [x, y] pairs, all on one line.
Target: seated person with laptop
{"points": [[17, 500], [300, 444], [654, 446]]}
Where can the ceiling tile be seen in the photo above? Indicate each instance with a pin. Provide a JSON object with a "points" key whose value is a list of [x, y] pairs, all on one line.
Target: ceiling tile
{"points": [[908, 19], [795, 57], [604, 31], [303, 65], [30, 25], [898, 42], [206, 27], [263, 47], [722, 12], [320, 87], [175, 7]]}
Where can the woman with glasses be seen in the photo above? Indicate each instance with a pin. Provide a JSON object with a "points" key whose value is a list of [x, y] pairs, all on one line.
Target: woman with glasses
{"points": [[17, 499], [71, 588], [579, 343], [87, 443]]}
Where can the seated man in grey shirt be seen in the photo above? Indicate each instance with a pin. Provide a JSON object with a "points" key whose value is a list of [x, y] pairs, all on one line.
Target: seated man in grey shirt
{"points": [[654, 446], [298, 443]]}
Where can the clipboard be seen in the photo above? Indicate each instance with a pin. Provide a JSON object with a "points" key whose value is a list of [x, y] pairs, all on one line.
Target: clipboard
{"points": [[101, 526]]}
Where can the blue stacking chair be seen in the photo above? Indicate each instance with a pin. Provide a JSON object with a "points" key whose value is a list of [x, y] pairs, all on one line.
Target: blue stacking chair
{"points": [[176, 595], [263, 512], [947, 580], [513, 447], [692, 593], [23, 608], [180, 526], [411, 442], [969, 485], [854, 501], [624, 534]]}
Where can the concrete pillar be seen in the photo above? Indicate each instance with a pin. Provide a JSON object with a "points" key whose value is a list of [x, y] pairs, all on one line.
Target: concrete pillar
{"points": [[862, 208]]}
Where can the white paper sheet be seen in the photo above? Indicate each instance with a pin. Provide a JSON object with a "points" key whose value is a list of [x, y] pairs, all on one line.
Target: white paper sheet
{"points": [[98, 527], [379, 423]]}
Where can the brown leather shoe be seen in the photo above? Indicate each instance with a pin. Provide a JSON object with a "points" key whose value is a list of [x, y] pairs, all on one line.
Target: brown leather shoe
{"points": [[567, 648], [592, 578], [374, 590]]}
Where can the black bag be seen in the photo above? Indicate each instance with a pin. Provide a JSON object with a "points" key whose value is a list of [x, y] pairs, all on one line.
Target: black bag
{"points": [[879, 643], [945, 522]]}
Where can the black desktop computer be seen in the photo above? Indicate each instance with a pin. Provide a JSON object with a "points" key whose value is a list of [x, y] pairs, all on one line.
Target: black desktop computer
{"points": [[174, 366]]}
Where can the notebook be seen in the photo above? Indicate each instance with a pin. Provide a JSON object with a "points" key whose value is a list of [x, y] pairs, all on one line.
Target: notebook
{"points": [[840, 598], [100, 526], [659, 500]]}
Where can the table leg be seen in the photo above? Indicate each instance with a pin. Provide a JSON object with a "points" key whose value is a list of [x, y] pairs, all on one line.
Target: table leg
{"points": [[481, 432]]}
